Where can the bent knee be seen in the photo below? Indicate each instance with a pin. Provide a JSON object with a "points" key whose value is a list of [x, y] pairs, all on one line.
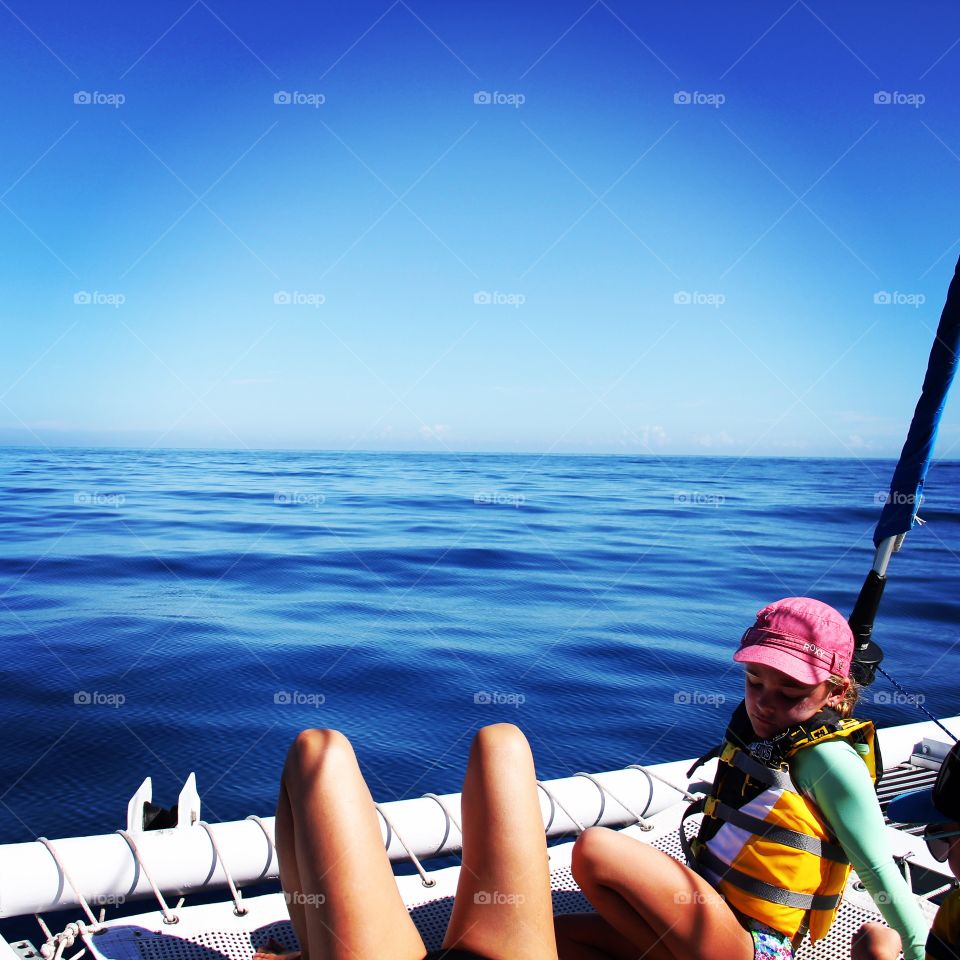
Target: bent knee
{"points": [[313, 749], [590, 852], [500, 739]]}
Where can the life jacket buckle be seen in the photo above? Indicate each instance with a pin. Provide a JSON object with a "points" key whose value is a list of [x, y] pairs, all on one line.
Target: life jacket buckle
{"points": [[709, 805], [728, 752]]}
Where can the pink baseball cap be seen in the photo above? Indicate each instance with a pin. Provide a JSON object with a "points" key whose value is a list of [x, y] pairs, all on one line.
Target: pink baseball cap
{"points": [[801, 637]]}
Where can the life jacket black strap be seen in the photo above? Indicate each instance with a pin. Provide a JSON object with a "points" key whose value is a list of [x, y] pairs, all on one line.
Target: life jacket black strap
{"points": [[940, 949], [688, 849], [782, 835], [757, 771], [765, 891], [700, 761]]}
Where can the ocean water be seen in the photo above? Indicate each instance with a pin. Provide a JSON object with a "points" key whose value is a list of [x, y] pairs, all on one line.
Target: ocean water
{"points": [[172, 611]]}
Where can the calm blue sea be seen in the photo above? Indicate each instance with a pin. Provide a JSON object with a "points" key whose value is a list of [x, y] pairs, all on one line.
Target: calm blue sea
{"points": [[172, 611]]}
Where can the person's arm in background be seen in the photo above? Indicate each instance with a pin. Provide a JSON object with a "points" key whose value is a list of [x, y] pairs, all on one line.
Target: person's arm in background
{"points": [[837, 780]]}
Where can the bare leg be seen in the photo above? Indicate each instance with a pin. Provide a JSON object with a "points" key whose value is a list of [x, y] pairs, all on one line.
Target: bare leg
{"points": [[663, 908], [289, 881], [874, 941], [343, 897], [503, 907]]}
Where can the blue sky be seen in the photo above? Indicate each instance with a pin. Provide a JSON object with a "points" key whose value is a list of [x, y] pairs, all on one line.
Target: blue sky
{"points": [[577, 262]]}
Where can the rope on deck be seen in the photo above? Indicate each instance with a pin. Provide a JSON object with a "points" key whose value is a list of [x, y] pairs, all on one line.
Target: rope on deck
{"points": [[239, 910], [57, 943], [168, 915], [580, 827], [448, 812], [424, 879], [271, 847], [687, 795], [638, 818]]}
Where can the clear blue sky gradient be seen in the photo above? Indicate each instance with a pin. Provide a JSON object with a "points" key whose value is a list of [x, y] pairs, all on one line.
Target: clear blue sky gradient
{"points": [[583, 214]]}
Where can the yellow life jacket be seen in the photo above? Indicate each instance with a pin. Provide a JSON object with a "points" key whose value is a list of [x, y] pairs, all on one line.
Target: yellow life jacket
{"points": [[762, 844]]}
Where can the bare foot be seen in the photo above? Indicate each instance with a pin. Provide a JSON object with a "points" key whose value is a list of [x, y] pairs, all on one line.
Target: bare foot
{"points": [[272, 950]]}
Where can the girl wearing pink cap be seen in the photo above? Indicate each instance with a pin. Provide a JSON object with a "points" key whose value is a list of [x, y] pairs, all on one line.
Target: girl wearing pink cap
{"points": [[792, 807]]}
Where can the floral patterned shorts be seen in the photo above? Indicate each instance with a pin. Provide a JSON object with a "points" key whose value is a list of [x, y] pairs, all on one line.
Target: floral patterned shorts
{"points": [[770, 944]]}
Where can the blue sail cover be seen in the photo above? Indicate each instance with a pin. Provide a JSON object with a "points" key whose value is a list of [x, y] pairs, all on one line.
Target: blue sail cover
{"points": [[900, 510]]}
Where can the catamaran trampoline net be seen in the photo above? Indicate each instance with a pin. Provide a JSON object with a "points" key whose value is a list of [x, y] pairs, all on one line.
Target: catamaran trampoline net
{"points": [[431, 918]]}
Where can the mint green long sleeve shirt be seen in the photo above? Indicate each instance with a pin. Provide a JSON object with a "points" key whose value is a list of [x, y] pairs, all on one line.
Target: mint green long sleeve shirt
{"points": [[837, 780]]}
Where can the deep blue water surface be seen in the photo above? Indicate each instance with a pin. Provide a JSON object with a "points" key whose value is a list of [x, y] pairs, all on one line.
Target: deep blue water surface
{"points": [[170, 611]]}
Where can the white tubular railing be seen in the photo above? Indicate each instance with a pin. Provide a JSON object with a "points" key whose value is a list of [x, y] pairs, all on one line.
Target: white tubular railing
{"points": [[104, 868]]}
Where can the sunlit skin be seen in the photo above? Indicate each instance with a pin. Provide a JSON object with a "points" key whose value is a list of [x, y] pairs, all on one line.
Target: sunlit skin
{"points": [[775, 700]]}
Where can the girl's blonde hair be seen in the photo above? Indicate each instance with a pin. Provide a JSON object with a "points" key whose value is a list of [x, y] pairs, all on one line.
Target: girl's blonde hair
{"points": [[850, 698]]}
